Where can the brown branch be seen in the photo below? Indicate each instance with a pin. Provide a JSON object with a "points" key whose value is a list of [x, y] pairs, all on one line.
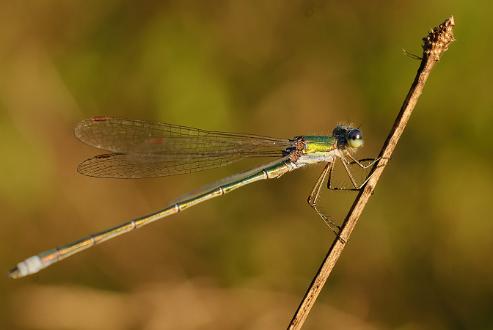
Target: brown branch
{"points": [[434, 45]]}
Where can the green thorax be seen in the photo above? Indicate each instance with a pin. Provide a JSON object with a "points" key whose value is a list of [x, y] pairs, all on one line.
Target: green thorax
{"points": [[315, 144]]}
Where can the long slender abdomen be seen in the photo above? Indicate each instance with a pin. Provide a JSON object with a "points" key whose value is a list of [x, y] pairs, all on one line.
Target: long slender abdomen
{"points": [[44, 259]]}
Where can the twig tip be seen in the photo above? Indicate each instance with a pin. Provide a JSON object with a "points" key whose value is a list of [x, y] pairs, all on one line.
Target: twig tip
{"points": [[439, 38]]}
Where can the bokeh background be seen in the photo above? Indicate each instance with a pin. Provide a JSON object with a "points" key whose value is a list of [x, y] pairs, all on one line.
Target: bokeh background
{"points": [[420, 257]]}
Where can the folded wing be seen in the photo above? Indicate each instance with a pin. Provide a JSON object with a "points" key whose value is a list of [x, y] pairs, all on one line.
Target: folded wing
{"points": [[145, 149]]}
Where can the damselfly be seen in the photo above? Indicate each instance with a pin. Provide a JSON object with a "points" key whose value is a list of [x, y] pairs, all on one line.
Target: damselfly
{"points": [[141, 149]]}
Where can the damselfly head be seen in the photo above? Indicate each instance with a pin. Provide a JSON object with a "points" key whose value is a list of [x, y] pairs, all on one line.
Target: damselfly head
{"points": [[348, 136]]}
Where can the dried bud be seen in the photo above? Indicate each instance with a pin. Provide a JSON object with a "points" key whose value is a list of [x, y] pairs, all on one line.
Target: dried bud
{"points": [[438, 40]]}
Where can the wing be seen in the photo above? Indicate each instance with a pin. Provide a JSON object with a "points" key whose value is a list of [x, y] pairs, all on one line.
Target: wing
{"points": [[137, 136], [146, 166], [145, 149]]}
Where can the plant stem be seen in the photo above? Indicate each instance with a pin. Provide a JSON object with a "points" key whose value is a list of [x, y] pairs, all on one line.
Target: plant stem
{"points": [[434, 45]]}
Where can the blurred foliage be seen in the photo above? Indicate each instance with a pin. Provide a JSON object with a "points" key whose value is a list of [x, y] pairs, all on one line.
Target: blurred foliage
{"points": [[419, 258]]}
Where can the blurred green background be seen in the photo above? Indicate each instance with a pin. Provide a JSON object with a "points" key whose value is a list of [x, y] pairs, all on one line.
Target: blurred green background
{"points": [[420, 256]]}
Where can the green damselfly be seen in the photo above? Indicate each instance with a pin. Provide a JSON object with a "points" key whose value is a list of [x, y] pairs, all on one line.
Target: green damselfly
{"points": [[141, 149]]}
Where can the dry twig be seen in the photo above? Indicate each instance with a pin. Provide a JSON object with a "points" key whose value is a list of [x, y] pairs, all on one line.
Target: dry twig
{"points": [[434, 45]]}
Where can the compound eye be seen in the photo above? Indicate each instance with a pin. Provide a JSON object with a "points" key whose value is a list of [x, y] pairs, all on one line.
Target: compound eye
{"points": [[355, 138]]}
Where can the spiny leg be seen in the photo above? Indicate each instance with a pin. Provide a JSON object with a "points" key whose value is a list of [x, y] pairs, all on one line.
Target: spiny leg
{"points": [[359, 162], [317, 187], [356, 187], [315, 193], [353, 181]]}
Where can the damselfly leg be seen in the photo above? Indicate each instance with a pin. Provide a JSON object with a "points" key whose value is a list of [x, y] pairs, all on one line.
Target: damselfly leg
{"points": [[315, 193], [361, 164]]}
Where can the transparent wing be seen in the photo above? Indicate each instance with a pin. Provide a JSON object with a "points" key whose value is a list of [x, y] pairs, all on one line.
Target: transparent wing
{"points": [[137, 136], [128, 166], [145, 149]]}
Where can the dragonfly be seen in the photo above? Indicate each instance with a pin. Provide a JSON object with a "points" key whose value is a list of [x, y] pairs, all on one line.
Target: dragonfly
{"points": [[143, 149]]}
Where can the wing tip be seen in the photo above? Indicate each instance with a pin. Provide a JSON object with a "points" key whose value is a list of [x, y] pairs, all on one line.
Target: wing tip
{"points": [[85, 123], [100, 167], [88, 168]]}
